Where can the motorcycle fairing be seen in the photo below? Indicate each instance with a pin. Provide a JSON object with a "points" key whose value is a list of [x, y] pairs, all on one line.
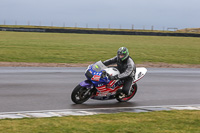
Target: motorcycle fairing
{"points": [[94, 74], [140, 73], [107, 91]]}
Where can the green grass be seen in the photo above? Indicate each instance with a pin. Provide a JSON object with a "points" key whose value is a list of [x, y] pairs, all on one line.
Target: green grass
{"points": [[81, 48], [151, 122]]}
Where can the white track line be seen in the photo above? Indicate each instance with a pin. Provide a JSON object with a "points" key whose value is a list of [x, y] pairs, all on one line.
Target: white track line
{"points": [[93, 111]]}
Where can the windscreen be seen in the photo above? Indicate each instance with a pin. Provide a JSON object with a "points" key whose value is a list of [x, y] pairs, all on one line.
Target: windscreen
{"points": [[98, 66]]}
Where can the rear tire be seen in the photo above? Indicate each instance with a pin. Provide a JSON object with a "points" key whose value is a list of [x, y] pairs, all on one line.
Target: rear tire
{"points": [[78, 95], [127, 98]]}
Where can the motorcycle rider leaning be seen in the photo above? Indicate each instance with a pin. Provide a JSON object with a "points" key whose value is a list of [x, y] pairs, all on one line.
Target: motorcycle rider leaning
{"points": [[126, 67]]}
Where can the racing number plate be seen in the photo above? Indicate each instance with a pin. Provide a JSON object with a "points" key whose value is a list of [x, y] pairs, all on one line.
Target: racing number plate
{"points": [[96, 77]]}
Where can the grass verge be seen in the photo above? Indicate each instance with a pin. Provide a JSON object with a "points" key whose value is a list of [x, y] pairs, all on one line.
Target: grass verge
{"points": [[150, 122], [82, 48]]}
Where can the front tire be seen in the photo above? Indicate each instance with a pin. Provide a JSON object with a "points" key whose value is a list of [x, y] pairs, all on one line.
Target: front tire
{"points": [[80, 94], [127, 98]]}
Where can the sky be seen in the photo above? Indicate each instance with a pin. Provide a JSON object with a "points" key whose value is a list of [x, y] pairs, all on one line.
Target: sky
{"points": [[143, 14]]}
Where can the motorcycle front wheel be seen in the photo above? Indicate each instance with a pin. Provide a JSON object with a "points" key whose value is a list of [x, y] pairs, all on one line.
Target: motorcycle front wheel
{"points": [[80, 94], [133, 91]]}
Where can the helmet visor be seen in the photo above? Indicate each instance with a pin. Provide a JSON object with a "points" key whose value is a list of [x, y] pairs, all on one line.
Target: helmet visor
{"points": [[121, 56]]}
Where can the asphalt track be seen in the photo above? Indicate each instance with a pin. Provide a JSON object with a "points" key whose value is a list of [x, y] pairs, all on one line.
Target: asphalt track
{"points": [[32, 89]]}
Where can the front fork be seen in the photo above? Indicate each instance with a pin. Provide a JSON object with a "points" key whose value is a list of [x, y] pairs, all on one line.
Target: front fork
{"points": [[87, 84]]}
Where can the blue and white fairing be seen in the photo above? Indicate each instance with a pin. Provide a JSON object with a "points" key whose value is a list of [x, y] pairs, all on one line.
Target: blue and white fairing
{"points": [[97, 75]]}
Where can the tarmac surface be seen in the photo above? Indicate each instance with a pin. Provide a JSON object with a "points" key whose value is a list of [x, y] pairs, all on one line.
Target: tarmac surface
{"points": [[49, 88]]}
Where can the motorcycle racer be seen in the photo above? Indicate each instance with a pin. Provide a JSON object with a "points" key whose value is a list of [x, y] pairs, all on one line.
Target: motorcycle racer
{"points": [[126, 67]]}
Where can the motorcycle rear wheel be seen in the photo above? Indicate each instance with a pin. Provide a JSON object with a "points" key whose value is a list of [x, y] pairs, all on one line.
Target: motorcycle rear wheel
{"points": [[127, 98], [78, 95]]}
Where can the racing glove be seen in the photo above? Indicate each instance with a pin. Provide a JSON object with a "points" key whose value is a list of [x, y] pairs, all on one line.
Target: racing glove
{"points": [[113, 77]]}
